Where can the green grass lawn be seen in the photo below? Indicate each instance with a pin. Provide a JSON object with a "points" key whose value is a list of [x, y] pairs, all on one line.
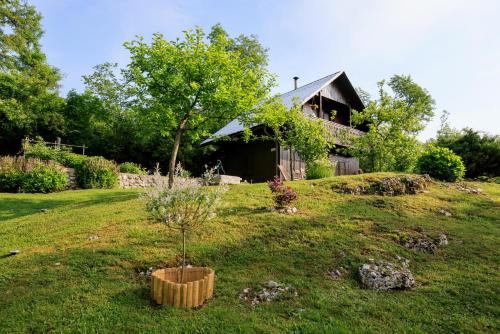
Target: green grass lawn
{"points": [[61, 282]]}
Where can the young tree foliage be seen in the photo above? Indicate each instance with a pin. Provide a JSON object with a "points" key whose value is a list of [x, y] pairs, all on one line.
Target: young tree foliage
{"points": [[393, 122], [195, 84], [307, 135]]}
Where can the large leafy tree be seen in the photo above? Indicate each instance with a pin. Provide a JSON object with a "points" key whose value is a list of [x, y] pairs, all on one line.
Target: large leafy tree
{"points": [[106, 117], [29, 101], [393, 122], [480, 152], [193, 85]]}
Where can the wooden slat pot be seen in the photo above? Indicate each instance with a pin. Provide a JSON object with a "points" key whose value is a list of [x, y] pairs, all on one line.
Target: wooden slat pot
{"points": [[196, 288]]}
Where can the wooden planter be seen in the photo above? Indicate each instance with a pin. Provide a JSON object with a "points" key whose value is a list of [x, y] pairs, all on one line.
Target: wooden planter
{"points": [[196, 288]]}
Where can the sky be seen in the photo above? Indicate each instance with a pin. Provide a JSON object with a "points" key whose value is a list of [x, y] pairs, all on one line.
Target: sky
{"points": [[449, 47]]}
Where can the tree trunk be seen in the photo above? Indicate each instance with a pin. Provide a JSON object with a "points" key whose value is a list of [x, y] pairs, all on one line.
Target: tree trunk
{"points": [[175, 150], [183, 255]]}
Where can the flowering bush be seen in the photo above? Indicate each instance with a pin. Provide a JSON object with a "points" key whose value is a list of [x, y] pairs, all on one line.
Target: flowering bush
{"points": [[208, 176], [283, 195], [184, 206]]}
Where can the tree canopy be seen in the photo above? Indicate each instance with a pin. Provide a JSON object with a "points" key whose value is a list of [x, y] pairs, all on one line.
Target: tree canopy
{"points": [[480, 152], [29, 100], [195, 84], [393, 122]]}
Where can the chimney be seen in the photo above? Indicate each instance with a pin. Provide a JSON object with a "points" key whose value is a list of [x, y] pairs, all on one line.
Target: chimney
{"points": [[295, 79]]}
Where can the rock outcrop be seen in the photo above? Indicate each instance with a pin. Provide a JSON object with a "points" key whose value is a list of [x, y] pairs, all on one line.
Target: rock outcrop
{"points": [[391, 186], [425, 244], [382, 275], [270, 291]]}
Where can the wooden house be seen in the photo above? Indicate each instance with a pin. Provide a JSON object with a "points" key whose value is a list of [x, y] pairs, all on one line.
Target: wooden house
{"points": [[258, 161]]}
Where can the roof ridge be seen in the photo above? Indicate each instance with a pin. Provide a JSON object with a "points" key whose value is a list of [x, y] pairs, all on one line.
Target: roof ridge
{"points": [[309, 83]]}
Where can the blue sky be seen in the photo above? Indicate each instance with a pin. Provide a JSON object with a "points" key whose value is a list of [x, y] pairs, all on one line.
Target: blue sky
{"points": [[450, 47]]}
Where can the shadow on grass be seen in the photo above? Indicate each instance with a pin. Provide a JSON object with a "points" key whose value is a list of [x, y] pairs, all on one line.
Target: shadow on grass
{"points": [[242, 211], [15, 206], [11, 208]]}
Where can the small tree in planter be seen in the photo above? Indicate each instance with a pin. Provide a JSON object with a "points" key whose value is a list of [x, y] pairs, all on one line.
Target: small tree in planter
{"points": [[283, 196], [183, 207]]}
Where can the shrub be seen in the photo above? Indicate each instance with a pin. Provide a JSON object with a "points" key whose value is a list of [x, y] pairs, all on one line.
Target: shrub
{"points": [[132, 168], [441, 163], [10, 182], [480, 152], [283, 195], [72, 160], [97, 172], [184, 206], [18, 174], [60, 155], [184, 173], [43, 152], [320, 169], [44, 179]]}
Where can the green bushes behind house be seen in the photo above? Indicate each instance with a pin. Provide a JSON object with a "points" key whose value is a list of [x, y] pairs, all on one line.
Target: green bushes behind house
{"points": [[18, 174], [441, 163], [97, 172], [320, 169]]}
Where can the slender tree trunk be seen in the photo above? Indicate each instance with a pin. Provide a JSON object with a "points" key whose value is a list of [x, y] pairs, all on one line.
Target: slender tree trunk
{"points": [[183, 255], [175, 150]]}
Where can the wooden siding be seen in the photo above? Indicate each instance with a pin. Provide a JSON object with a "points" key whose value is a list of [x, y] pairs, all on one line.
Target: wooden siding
{"points": [[345, 165], [333, 92], [298, 166], [253, 162]]}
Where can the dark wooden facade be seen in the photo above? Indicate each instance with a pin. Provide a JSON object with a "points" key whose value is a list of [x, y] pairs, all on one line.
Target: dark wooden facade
{"points": [[258, 161], [253, 162]]}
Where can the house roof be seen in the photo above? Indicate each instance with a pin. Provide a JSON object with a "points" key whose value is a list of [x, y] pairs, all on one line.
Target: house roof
{"points": [[301, 94]]}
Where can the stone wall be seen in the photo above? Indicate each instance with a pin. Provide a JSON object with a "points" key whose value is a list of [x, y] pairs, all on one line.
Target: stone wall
{"points": [[127, 180], [72, 184]]}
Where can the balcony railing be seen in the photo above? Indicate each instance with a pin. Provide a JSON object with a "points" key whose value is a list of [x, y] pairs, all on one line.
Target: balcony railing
{"points": [[342, 132]]}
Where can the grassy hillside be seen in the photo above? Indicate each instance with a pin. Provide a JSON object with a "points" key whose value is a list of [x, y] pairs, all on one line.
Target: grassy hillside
{"points": [[62, 282]]}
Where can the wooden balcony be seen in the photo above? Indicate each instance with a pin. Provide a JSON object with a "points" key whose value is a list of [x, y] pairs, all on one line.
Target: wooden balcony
{"points": [[342, 132]]}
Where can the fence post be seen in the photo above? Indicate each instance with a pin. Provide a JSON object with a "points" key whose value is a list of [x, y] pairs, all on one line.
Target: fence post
{"points": [[24, 144], [83, 149], [58, 142]]}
